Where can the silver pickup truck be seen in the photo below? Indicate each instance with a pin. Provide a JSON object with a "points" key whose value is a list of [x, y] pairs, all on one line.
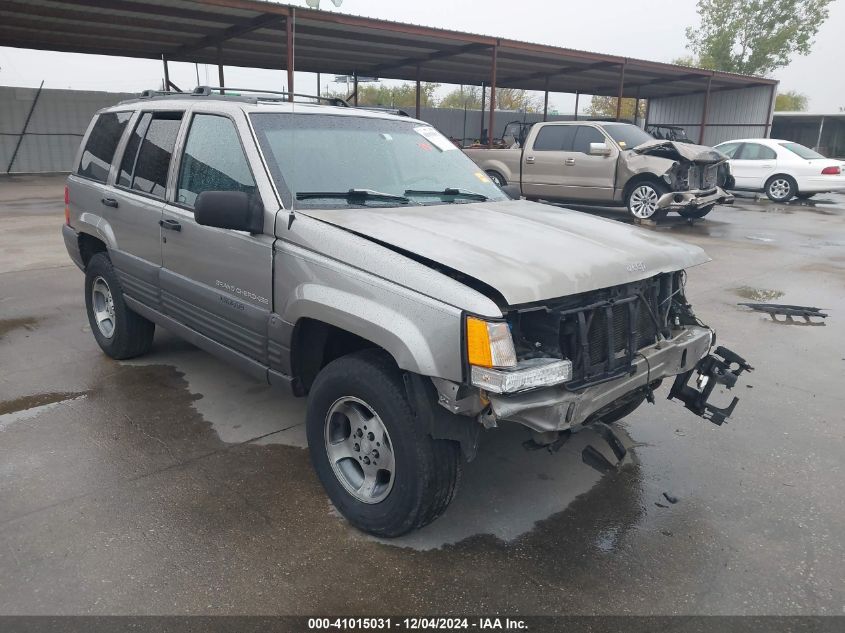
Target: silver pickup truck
{"points": [[608, 163], [360, 259]]}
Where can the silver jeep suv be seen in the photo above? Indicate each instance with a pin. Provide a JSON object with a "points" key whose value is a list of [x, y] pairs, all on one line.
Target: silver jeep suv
{"points": [[360, 259]]}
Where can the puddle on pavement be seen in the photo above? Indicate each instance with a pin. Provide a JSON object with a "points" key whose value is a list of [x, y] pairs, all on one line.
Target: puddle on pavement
{"points": [[7, 325], [28, 407], [504, 492], [758, 294], [239, 408]]}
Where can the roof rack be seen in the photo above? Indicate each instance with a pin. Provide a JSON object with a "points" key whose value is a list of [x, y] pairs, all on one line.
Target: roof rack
{"points": [[277, 95], [255, 95]]}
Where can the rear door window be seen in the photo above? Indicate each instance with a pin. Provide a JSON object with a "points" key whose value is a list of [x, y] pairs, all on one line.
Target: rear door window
{"points": [[755, 151], [585, 135], [213, 160], [102, 142], [146, 160], [555, 138]]}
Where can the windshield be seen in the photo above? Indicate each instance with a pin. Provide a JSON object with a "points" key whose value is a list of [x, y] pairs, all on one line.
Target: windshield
{"points": [[627, 135], [360, 161], [804, 152]]}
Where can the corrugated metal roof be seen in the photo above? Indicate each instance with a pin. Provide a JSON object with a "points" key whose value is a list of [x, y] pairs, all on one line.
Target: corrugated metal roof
{"points": [[252, 33]]}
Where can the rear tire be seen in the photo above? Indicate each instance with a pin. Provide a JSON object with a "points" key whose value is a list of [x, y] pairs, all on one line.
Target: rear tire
{"points": [[641, 200], [781, 188], [119, 332], [413, 476], [694, 214]]}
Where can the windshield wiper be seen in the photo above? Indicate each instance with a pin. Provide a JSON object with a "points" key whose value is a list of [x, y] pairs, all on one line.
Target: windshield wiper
{"points": [[353, 195], [448, 191]]}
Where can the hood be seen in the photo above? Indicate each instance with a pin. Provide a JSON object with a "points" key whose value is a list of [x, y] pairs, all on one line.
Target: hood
{"points": [[525, 250], [695, 153]]}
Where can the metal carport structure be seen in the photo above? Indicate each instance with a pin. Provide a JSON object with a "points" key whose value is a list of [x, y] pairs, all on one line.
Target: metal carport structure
{"points": [[258, 34]]}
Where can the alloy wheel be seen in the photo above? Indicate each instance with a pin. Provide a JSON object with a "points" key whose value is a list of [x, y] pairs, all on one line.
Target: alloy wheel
{"points": [[102, 303], [643, 203], [780, 188], [359, 450]]}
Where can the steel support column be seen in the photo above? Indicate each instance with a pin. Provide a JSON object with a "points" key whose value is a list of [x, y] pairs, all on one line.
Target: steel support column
{"points": [[577, 96], [621, 90], [769, 112], [704, 110], [417, 92], [355, 88], [492, 96], [289, 43], [819, 139], [220, 76], [25, 126], [166, 73], [546, 101], [481, 131], [318, 86]]}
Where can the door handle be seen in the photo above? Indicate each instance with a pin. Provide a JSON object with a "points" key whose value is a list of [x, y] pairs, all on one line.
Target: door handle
{"points": [[767, 166], [529, 159], [109, 202], [170, 225], [569, 161]]}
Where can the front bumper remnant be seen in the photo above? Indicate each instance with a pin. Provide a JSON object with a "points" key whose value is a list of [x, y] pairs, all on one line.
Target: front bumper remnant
{"points": [[678, 200], [722, 367], [558, 409]]}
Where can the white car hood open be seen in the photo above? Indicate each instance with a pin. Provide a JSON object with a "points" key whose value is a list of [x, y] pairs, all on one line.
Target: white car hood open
{"points": [[525, 250]]}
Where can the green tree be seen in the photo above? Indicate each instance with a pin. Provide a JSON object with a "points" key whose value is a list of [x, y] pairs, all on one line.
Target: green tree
{"points": [[506, 99], [754, 37], [605, 107], [401, 96], [791, 101]]}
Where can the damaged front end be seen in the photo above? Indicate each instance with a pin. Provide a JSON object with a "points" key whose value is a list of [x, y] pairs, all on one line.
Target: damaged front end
{"points": [[621, 342], [697, 176]]}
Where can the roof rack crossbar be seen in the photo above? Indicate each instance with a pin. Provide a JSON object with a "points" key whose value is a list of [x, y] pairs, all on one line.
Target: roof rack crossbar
{"points": [[208, 90]]}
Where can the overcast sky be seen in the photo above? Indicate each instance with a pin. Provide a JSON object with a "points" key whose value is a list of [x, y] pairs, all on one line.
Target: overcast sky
{"points": [[647, 29]]}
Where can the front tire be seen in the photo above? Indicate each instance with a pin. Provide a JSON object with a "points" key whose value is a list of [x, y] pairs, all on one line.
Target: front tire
{"points": [[497, 178], [382, 472], [695, 214], [641, 200], [119, 332], [781, 188]]}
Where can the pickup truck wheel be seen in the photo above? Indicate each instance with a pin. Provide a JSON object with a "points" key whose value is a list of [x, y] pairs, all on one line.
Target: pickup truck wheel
{"points": [[694, 214], [119, 332], [642, 201], [382, 472], [497, 178], [781, 188]]}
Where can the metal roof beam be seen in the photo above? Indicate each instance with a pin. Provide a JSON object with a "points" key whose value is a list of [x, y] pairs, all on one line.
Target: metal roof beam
{"points": [[663, 80], [236, 30], [441, 54], [566, 70]]}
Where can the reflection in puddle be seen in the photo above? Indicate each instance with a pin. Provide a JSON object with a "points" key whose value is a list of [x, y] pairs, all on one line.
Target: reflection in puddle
{"points": [[29, 407], [7, 325], [758, 294]]}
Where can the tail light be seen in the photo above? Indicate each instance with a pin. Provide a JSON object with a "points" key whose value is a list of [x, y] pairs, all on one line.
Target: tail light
{"points": [[833, 170], [67, 206]]}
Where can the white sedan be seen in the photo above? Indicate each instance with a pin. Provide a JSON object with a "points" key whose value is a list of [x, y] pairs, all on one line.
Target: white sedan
{"points": [[782, 169]]}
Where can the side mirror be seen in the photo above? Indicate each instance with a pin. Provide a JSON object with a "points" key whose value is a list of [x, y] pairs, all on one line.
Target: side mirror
{"points": [[230, 210], [599, 149]]}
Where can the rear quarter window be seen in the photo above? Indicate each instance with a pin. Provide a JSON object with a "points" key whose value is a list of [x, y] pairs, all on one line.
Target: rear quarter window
{"points": [[102, 142]]}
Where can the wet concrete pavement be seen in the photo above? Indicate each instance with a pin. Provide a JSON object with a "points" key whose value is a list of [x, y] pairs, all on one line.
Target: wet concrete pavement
{"points": [[174, 484]]}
